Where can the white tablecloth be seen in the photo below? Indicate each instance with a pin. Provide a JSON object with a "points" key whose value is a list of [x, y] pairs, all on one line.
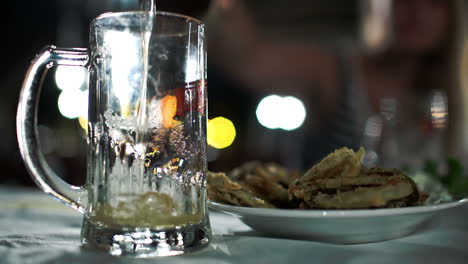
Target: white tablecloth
{"points": [[34, 228]]}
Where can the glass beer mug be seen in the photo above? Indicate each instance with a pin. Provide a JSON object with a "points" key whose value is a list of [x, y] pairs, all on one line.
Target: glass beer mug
{"points": [[145, 191]]}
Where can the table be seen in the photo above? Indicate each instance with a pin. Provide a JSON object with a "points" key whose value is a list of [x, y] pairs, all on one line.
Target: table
{"points": [[34, 228]]}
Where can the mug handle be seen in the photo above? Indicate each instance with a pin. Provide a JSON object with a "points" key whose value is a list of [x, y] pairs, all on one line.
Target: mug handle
{"points": [[26, 125]]}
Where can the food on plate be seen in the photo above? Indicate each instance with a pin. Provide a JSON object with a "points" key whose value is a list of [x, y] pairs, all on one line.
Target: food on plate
{"points": [[222, 189], [268, 181], [374, 188], [343, 162], [339, 181]]}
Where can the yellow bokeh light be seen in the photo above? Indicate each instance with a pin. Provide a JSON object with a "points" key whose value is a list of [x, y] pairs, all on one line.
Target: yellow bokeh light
{"points": [[83, 123], [169, 110], [221, 132], [126, 108]]}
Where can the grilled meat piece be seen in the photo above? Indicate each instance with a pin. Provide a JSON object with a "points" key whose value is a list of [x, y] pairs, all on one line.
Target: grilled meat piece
{"points": [[340, 182], [222, 189], [268, 181]]}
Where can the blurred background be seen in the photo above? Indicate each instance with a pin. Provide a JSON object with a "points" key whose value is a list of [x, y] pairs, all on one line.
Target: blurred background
{"points": [[288, 81]]}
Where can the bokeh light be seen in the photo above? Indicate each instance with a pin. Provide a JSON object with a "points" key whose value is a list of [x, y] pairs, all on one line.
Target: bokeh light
{"points": [[126, 67], [268, 111], [83, 123], [169, 110], [70, 77], [192, 70], [73, 103], [221, 132], [294, 113], [276, 111]]}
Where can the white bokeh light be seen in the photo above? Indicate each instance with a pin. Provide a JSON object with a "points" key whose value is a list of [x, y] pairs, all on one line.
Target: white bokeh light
{"points": [[125, 59], [267, 111], [294, 113], [286, 113], [191, 71], [73, 103], [70, 77]]}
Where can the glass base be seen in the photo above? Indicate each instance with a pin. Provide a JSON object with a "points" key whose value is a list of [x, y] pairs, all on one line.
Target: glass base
{"points": [[145, 242]]}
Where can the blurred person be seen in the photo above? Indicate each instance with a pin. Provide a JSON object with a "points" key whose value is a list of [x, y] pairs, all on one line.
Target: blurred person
{"points": [[394, 102]]}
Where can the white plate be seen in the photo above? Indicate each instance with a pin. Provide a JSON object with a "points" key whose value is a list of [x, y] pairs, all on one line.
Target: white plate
{"points": [[337, 226]]}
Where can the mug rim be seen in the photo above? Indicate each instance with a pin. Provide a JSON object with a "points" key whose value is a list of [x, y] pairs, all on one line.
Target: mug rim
{"points": [[160, 13]]}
